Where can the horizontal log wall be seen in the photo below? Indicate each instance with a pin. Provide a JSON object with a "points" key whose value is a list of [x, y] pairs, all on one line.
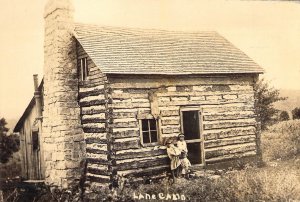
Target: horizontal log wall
{"points": [[131, 158], [229, 124], [93, 101]]}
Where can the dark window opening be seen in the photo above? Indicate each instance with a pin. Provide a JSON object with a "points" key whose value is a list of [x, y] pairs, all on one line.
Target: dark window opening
{"points": [[149, 131], [35, 140], [194, 154], [84, 69], [191, 124]]}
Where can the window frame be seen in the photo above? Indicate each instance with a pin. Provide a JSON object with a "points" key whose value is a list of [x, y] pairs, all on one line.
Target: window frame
{"points": [[149, 130], [201, 140], [84, 69]]}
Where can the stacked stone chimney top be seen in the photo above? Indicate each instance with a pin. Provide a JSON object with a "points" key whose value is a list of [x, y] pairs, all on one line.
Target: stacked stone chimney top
{"points": [[53, 5]]}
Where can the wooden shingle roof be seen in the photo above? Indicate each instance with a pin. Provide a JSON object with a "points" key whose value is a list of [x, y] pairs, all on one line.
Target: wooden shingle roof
{"points": [[140, 51]]}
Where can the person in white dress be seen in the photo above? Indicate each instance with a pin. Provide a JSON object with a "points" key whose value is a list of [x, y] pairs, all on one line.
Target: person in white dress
{"points": [[173, 153], [185, 163]]}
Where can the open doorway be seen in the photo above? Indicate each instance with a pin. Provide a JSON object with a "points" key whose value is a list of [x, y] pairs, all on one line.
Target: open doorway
{"points": [[191, 127]]}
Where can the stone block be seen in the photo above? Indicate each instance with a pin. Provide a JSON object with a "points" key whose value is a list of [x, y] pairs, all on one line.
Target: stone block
{"points": [[69, 145], [50, 147], [164, 99], [72, 164], [60, 165], [199, 88], [53, 157], [60, 147], [62, 173], [184, 88], [230, 97], [214, 97], [76, 146], [75, 155], [65, 184], [171, 89], [68, 157], [59, 155], [179, 98], [78, 137], [197, 98]]}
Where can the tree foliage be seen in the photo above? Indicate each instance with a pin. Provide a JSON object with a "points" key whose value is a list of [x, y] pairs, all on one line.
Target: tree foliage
{"points": [[266, 97], [296, 113], [284, 116], [8, 143]]}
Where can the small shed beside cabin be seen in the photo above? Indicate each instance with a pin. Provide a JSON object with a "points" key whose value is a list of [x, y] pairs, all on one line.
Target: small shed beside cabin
{"points": [[29, 127]]}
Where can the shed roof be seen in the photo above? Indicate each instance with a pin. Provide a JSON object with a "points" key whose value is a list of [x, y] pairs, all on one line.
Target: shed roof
{"points": [[118, 50], [27, 111]]}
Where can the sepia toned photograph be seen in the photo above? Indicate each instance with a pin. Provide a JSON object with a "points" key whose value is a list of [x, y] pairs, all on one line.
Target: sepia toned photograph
{"points": [[143, 100]]}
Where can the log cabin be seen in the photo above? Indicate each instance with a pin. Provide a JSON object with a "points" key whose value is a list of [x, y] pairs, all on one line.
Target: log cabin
{"points": [[111, 96]]}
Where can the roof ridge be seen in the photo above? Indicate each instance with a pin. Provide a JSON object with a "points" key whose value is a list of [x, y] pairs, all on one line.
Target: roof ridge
{"points": [[146, 29]]}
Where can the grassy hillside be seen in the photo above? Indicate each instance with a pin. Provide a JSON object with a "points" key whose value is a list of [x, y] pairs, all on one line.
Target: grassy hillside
{"points": [[292, 102], [281, 141]]}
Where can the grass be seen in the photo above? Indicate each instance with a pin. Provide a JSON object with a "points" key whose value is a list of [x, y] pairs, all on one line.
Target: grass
{"points": [[281, 141], [279, 180], [271, 183]]}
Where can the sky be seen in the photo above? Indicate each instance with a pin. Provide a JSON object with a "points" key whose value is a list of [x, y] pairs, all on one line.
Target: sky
{"points": [[267, 31]]}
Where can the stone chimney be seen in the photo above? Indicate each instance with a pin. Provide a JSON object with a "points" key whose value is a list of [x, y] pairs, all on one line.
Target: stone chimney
{"points": [[63, 138]]}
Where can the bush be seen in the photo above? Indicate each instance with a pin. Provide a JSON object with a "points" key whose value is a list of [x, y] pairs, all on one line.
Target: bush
{"points": [[12, 168], [266, 97], [296, 113], [284, 116], [281, 141], [8, 143]]}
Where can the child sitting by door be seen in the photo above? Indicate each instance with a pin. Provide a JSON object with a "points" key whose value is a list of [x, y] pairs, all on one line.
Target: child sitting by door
{"points": [[185, 163]]}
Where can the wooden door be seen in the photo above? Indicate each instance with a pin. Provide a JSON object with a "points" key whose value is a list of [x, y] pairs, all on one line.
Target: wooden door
{"points": [[32, 164], [191, 126], [36, 156]]}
